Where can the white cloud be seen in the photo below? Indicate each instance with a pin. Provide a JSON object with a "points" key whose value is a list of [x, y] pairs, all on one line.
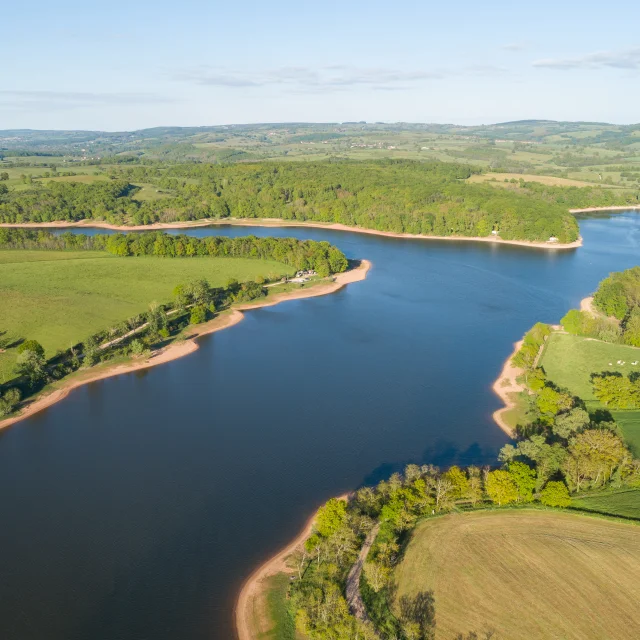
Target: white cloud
{"points": [[61, 100], [624, 59]]}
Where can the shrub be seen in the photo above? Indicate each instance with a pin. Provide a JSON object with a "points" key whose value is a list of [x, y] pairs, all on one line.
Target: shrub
{"points": [[198, 315], [555, 494], [32, 345]]}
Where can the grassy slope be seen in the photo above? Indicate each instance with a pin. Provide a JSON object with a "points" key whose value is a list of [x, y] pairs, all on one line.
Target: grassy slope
{"points": [[59, 298], [624, 503], [527, 574], [569, 361]]}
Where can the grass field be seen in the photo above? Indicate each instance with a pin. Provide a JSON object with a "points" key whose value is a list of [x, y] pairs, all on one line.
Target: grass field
{"points": [[548, 180], [527, 575], [272, 619], [569, 362], [624, 503], [59, 298]]}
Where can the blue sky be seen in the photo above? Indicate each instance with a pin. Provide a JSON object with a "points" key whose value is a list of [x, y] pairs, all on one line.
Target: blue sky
{"points": [[126, 65]]}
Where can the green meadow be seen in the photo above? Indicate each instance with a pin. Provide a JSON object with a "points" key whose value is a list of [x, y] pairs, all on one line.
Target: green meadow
{"points": [[61, 297], [569, 362], [623, 503]]}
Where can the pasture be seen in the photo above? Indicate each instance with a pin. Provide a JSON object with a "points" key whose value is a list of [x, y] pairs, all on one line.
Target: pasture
{"points": [[623, 503], [569, 362], [527, 575], [61, 297]]}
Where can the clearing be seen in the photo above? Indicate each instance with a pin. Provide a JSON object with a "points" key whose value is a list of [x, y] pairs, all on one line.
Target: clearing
{"points": [[527, 574], [61, 297], [569, 362]]}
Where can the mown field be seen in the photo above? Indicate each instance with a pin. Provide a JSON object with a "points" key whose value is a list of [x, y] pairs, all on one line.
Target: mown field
{"points": [[59, 298], [624, 503], [527, 575], [569, 362]]}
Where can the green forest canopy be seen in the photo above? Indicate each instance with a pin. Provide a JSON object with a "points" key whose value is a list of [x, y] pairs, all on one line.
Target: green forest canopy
{"points": [[402, 196]]}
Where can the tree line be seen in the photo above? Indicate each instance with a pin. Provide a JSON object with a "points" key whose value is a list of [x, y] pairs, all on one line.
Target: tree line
{"points": [[322, 257], [429, 198]]}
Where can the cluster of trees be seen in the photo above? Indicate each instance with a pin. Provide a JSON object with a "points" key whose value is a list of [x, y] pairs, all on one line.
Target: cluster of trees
{"points": [[322, 257], [617, 391], [619, 294], [403, 196], [70, 201], [532, 342], [618, 298], [569, 453]]}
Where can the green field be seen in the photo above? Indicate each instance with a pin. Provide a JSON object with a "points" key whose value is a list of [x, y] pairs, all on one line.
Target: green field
{"points": [[569, 362], [59, 298], [624, 503], [527, 575]]}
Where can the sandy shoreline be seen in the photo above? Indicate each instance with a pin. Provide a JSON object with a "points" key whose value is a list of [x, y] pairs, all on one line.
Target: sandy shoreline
{"points": [[274, 565], [629, 207], [277, 222], [180, 349], [505, 385]]}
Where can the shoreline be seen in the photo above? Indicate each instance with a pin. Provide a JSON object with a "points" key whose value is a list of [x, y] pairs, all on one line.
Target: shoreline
{"points": [[629, 207], [183, 348], [278, 222], [508, 373], [273, 565]]}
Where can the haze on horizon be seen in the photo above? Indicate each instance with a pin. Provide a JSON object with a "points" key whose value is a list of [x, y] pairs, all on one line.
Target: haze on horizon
{"points": [[123, 65]]}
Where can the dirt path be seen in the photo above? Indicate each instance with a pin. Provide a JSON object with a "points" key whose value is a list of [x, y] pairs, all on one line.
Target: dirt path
{"points": [[504, 386], [180, 349], [254, 583], [278, 222], [354, 597]]}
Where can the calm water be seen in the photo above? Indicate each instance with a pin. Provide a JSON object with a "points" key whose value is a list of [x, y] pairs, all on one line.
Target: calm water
{"points": [[134, 509]]}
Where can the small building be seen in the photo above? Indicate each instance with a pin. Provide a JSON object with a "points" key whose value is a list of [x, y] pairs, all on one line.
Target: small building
{"points": [[553, 239], [495, 232]]}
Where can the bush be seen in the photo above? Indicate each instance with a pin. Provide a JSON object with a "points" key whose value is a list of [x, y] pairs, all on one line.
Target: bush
{"points": [[198, 315], [555, 494], [9, 401], [32, 345]]}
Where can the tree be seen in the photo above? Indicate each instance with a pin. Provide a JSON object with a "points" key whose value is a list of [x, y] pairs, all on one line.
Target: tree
{"points": [[198, 315], [632, 328], [377, 575], [331, 517], [4, 175], [475, 485], [31, 345], [555, 494], [550, 401], [593, 456], [501, 487], [32, 366], [525, 479], [459, 482], [566, 424], [9, 401], [418, 615]]}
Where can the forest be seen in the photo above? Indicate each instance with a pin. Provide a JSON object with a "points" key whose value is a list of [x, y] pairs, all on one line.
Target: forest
{"points": [[429, 198], [322, 257]]}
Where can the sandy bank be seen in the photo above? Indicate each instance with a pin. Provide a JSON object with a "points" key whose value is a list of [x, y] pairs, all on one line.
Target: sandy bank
{"points": [[277, 222], [586, 304], [504, 386], [629, 207], [182, 348], [254, 583]]}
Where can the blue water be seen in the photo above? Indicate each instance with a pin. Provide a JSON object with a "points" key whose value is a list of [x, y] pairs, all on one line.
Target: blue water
{"points": [[134, 509]]}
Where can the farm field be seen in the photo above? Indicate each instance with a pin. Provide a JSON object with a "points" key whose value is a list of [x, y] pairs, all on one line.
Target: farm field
{"points": [[548, 180], [59, 298], [624, 503], [569, 362], [527, 575]]}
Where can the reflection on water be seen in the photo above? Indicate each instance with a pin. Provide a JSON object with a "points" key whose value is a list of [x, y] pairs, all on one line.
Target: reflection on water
{"points": [[135, 508]]}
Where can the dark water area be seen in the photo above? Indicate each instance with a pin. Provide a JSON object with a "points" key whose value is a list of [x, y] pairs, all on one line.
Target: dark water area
{"points": [[134, 509]]}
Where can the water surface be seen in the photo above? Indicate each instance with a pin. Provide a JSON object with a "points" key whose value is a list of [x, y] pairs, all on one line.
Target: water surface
{"points": [[134, 509]]}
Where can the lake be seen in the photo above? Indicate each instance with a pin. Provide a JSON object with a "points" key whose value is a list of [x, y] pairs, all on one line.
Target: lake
{"points": [[134, 509]]}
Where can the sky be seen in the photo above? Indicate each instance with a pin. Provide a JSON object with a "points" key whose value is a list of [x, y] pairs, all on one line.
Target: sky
{"points": [[120, 65]]}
